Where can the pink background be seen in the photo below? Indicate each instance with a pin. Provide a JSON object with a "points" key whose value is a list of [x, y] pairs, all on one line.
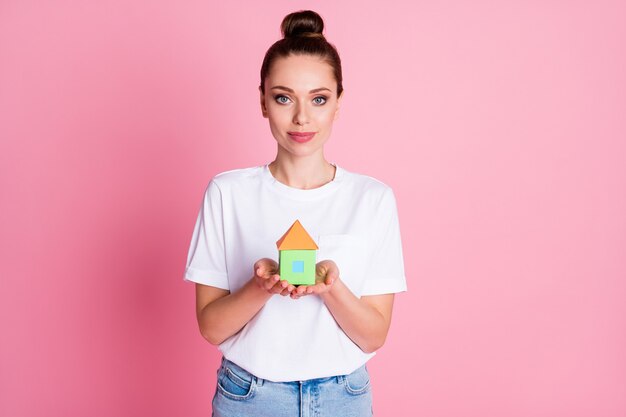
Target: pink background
{"points": [[500, 125]]}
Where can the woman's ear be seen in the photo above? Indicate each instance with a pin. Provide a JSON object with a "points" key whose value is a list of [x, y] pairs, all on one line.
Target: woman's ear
{"points": [[338, 105], [263, 108]]}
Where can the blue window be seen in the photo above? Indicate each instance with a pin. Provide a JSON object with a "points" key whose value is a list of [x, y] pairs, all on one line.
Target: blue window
{"points": [[297, 266]]}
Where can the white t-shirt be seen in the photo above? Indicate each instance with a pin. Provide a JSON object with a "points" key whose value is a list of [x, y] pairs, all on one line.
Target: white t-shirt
{"points": [[353, 220]]}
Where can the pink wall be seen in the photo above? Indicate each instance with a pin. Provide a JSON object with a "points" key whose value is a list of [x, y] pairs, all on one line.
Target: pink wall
{"points": [[500, 125]]}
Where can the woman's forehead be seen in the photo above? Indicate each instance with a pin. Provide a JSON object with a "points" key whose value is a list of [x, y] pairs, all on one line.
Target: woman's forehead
{"points": [[301, 72]]}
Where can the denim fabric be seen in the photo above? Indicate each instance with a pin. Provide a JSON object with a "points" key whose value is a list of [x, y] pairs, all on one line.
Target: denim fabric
{"points": [[241, 394]]}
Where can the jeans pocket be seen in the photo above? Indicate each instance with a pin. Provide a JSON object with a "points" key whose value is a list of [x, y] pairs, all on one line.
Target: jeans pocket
{"points": [[235, 385], [358, 382]]}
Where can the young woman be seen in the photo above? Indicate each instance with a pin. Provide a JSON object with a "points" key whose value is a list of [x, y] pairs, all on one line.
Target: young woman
{"points": [[287, 350]]}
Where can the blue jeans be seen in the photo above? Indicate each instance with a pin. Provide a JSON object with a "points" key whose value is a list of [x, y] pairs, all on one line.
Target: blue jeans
{"points": [[241, 394]]}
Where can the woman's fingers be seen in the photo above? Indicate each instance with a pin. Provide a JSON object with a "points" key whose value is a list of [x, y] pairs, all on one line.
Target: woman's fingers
{"points": [[258, 266], [274, 285], [304, 290], [281, 287], [319, 288], [267, 277], [266, 271], [286, 288], [332, 276], [271, 281], [265, 266], [278, 286]]}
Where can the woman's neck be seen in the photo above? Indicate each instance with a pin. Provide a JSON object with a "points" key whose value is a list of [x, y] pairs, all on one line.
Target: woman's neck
{"points": [[302, 172]]}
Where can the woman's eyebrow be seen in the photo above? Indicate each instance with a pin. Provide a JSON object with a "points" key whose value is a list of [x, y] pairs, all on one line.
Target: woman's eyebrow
{"points": [[315, 90]]}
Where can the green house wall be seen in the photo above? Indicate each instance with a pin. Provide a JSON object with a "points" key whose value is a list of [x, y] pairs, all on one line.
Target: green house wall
{"points": [[286, 257]]}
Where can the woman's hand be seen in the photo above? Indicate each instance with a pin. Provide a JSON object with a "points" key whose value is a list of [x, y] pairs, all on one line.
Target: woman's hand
{"points": [[266, 277], [326, 274]]}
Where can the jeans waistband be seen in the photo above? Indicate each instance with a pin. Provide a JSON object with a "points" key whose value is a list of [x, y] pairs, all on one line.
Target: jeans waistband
{"points": [[261, 381]]}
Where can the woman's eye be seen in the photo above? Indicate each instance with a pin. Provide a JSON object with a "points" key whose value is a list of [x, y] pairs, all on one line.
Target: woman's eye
{"points": [[320, 100]]}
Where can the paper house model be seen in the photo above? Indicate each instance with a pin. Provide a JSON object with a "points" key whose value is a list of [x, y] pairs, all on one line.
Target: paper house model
{"points": [[296, 256]]}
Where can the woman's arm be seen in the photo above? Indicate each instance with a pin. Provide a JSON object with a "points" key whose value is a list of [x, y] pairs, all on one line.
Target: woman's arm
{"points": [[365, 320], [221, 313]]}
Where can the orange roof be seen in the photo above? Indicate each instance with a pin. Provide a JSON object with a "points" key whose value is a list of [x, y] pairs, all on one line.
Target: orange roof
{"points": [[296, 238]]}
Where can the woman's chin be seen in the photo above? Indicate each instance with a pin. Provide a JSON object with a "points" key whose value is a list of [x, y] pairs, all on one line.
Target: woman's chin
{"points": [[301, 151]]}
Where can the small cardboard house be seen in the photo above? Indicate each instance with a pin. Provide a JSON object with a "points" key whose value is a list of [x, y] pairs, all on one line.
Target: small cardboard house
{"points": [[296, 256]]}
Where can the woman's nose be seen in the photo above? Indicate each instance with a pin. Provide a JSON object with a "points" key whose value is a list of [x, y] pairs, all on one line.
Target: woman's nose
{"points": [[301, 117]]}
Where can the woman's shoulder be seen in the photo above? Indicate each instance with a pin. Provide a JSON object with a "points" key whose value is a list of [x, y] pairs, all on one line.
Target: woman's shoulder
{"points": [[236, 176], [371, 192], [365, 182]]}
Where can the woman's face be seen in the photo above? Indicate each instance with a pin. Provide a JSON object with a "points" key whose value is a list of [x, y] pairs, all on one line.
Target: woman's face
{"points": [[300, 97]]}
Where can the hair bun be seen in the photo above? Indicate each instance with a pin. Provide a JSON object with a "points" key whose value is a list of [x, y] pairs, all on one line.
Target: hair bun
{"points": [[305, 23]]}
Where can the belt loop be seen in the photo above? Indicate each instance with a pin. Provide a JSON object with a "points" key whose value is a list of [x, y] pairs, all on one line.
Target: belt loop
{"points": [[339, 379], [259, 381]]}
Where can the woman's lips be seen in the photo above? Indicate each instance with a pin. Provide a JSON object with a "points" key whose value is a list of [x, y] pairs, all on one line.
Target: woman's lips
{"points": [[301, 137]]}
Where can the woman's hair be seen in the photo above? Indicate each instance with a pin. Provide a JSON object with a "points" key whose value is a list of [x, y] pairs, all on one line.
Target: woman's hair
{"points": [[302, 35]]}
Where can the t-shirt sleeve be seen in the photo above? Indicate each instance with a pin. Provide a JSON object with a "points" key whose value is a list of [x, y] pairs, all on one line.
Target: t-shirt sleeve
{"points": [[385, 274], [206, 260]]}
